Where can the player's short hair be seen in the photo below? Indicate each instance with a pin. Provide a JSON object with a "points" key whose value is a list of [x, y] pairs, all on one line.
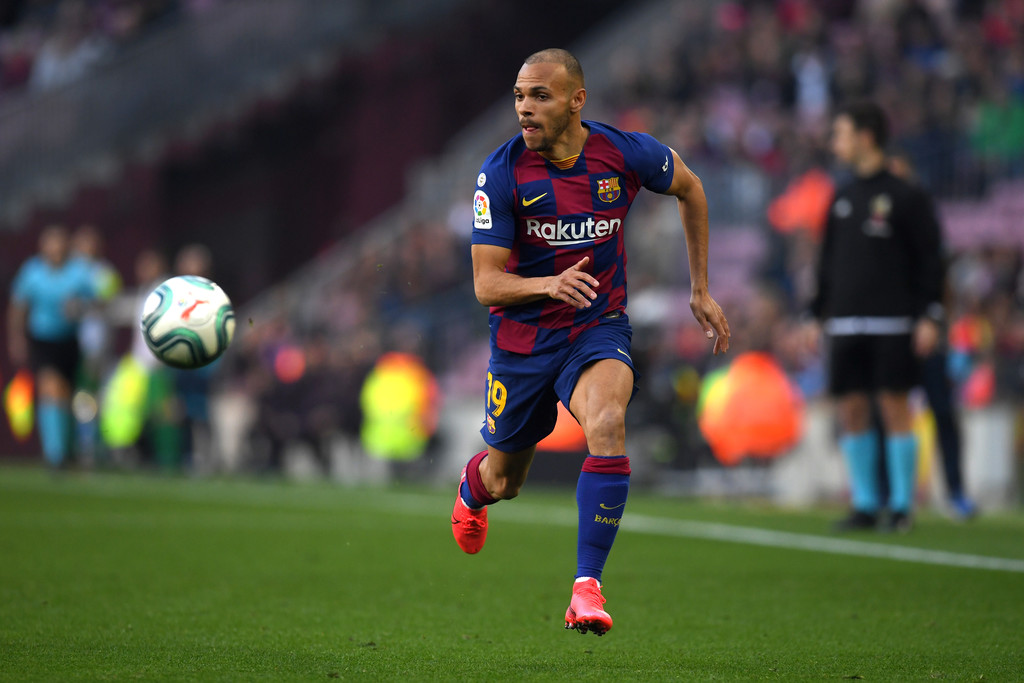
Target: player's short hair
{"points": [[556, 55], [868, 116]]}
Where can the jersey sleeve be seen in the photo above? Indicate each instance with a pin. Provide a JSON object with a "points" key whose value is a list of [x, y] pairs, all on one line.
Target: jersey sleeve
{"points": [[493, 205], [650, 160], [20, 287]]}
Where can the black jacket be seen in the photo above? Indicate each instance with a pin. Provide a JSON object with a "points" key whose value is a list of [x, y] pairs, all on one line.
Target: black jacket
{"points": [[882, 252]]}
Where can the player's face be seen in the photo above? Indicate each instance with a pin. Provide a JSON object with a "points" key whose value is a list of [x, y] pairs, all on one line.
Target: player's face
{"points": [[54, 244], [543, 95], [844, 139]]}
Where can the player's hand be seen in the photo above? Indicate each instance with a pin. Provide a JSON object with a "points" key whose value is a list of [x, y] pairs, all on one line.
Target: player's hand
{"points": [[926, 337], [709, 314], [574, 286]]}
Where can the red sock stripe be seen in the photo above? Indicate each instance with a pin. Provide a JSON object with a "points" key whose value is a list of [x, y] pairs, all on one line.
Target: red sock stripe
{"points": [[476, 485], [615, 464]]}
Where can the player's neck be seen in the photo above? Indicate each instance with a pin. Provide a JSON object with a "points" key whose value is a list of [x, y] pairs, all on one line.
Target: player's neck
{"points": [[569, 145], [870, 163]]}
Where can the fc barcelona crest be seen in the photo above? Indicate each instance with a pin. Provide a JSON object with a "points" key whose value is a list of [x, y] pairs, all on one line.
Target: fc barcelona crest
{"points": [[608, 189]]}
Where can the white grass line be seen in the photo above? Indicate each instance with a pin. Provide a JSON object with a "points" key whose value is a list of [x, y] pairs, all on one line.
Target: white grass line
{"points": [[663, 526], [426, 505]]}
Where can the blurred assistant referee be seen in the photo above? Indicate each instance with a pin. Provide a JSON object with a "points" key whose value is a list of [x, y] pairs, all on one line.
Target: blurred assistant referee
{"points": [[48, 296], [879, 304]]}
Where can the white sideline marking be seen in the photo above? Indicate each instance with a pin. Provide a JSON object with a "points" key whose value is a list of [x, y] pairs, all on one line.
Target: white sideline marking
{"points": [[662, 526], [422, 505]]}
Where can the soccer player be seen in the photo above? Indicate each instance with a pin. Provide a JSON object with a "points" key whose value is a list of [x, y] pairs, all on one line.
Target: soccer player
{"points": [[48, 296], [879, 299], [549, 260]]}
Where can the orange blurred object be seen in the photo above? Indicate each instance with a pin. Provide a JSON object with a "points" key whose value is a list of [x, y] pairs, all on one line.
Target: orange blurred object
{"points": [[750, 410], [18, 404], [567, 437], [980, 387], [804, 205]]}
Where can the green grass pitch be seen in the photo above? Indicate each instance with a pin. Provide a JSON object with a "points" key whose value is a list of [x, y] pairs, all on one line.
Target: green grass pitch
{"points": [[108, 576]]}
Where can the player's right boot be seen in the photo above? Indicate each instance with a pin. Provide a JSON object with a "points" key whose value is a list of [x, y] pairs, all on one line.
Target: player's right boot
{"points": [[586, 611], [468, 526]]}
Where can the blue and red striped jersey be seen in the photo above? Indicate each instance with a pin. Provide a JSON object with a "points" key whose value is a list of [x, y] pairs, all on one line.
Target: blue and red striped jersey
{"points": [[551, 217]]}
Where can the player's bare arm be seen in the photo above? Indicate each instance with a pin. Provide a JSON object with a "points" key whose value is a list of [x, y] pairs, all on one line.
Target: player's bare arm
{"points": [[495, 287], [693, 211], [17, 342]]}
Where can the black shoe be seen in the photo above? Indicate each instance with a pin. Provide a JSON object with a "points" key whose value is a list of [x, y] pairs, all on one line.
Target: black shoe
{"points": [[857, 520], [899, 522]]}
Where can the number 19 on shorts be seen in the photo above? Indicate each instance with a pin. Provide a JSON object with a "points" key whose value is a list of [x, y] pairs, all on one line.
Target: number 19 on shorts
{"points": [[496, 396]]}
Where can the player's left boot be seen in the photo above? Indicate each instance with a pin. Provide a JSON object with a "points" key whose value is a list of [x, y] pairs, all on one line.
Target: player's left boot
{"points": [[468, 526], [585, 611]]}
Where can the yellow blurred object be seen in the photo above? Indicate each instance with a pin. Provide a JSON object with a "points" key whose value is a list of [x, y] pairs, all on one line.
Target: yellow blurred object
{"points": [[923, 426], [123, 411], [400, 407]]}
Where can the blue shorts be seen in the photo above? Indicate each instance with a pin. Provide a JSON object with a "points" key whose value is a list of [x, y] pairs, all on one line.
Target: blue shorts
{"points": [[523, 391]]}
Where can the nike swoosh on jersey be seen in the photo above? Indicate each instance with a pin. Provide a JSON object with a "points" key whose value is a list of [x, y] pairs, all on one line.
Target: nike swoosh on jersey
{"points": [[527, 202], [623, 353], [605, 507]]}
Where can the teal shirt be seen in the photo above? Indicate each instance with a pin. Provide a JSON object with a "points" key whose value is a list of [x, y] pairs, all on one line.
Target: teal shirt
{"points": [[46, 290]]}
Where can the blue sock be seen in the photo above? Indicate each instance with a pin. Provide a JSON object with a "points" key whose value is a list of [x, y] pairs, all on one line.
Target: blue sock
{"points": [[901, 463], [860, 450], [601, 497], [54, 425]]}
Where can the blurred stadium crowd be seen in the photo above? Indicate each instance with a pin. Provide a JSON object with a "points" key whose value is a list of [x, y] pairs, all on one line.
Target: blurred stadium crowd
{"points": [[744, 91], [46, 44]]}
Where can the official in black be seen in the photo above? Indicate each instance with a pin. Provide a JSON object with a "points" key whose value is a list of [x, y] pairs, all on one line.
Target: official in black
{"points": [[879, 304]]}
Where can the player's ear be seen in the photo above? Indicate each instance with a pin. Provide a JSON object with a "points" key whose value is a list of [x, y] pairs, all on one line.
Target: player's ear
{"points": [[578, 99]]}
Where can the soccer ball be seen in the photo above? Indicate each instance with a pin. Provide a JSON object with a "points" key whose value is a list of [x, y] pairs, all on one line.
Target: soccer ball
{"points": [[188, 321]]}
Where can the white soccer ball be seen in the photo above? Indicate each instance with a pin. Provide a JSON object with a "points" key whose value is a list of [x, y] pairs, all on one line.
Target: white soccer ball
{"points": [[188, 321]]}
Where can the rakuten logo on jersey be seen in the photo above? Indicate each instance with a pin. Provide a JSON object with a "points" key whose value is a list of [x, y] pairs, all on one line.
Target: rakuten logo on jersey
{"points": [[577, 232]]}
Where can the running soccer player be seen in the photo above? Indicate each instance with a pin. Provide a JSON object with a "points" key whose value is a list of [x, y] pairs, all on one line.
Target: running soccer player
{"points": [[879, 300], [48, 297], [549, 260]]}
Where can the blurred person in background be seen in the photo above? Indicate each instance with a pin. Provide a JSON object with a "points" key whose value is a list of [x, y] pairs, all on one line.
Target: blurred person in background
{"points": [[938, 389], [879, 300], [192, 387], [399, 400], [548, 259], [94, 337], [137, 403], [73, 49], [49, 294]]}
